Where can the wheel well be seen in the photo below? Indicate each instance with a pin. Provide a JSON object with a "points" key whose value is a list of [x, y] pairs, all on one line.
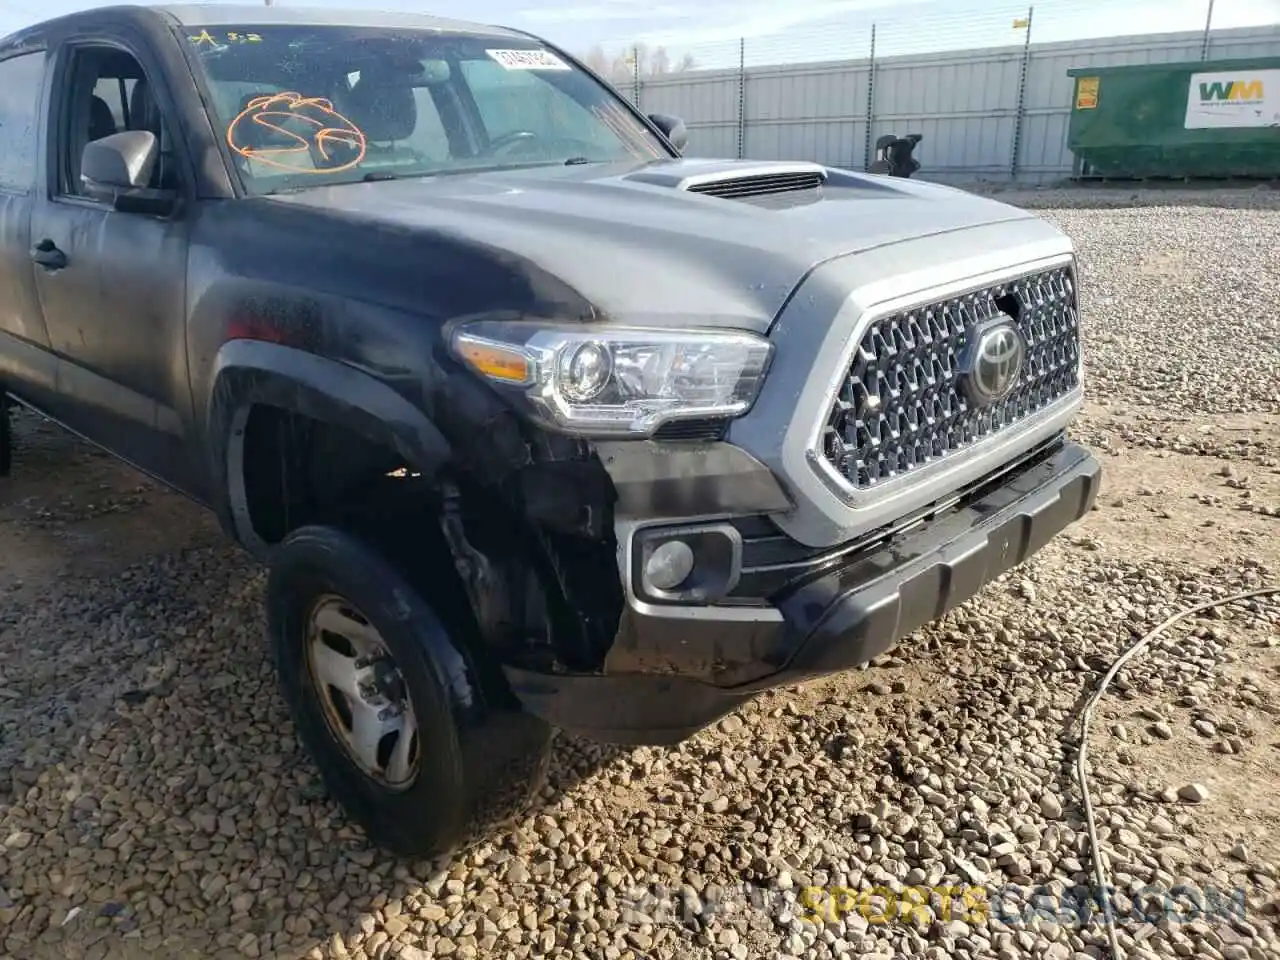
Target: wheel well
{"points": [[297, 470]]}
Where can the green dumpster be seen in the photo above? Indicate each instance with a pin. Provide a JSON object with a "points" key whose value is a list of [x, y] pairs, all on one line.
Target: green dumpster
{"points": [[1211, 118]]}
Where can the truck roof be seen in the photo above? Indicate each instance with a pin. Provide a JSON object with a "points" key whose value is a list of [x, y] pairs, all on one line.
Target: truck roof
{"points": [[210, 14], [202, 14]]}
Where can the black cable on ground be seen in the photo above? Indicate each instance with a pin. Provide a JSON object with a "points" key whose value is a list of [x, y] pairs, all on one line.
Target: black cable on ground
{"points": [[1082, 770]]}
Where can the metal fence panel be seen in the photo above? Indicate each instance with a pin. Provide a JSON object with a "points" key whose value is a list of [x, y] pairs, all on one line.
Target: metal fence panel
{"points": [[707, 101], [1241, 45], [964, 106], [970, 106], [819, 111]]}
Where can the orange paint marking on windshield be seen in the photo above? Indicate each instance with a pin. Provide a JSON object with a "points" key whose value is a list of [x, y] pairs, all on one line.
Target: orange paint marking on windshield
{"points": [[272, 110]]}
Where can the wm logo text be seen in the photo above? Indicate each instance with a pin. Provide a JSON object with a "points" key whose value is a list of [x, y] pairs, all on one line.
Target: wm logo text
{"points": [[1231, 90]]}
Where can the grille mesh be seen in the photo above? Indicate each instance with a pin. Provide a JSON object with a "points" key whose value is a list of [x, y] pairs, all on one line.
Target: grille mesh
{"points": [[902, 405], [758, 185]]}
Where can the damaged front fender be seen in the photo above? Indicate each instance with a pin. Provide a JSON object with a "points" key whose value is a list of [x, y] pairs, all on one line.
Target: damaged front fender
{"points": [[249, 372]]}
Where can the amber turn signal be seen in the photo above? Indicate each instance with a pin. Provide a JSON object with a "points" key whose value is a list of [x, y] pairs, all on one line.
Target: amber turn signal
{"points": [[497, 361]]}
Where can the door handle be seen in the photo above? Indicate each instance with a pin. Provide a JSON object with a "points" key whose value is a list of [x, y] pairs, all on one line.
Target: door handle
{"points": [[47, 254]]}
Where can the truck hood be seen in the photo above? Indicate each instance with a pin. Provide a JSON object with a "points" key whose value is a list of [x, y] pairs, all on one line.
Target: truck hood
{"points": [[642, 244]]}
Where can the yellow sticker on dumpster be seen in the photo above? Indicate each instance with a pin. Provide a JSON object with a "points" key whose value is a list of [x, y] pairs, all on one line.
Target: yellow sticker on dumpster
{"points": [[1087, 93]]}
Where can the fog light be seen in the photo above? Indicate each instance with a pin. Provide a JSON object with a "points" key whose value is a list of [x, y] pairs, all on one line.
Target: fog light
{"points": [[669, 565]]}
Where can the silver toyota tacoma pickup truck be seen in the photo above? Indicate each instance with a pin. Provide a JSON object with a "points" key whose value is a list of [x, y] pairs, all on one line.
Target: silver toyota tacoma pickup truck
{"points": [[535, 423]]}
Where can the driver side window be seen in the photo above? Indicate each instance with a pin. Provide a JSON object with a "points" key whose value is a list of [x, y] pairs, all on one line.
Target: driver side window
{"points": [[109, 93], [511, 100]]}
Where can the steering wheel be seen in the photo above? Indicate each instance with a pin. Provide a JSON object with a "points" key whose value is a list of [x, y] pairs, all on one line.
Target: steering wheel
{"points": [[532, 144], [509, 139]]}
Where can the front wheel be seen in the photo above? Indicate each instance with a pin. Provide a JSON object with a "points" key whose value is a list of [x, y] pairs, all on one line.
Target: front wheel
{"points": [[417, 740]]}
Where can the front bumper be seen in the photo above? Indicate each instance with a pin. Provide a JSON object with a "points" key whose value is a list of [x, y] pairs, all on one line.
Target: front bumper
{"points": [[675, 670]]}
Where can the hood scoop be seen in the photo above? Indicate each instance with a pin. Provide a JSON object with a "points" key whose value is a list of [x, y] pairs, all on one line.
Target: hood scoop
{"points": [[734, 180]]}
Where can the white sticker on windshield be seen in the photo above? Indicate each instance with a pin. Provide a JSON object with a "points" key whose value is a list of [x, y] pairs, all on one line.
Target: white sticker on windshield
{"points": [[528, 59]]}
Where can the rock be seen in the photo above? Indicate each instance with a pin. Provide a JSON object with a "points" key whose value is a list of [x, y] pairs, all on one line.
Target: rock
{"points": [[18, 840], [969, 871], [1050, 806], [395, 926], [1193, 793], [432, 912], [1160, 826]]}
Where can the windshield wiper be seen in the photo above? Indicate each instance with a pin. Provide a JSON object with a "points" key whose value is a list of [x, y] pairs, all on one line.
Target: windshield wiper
{"points": [[574, 161], [374, 175]]}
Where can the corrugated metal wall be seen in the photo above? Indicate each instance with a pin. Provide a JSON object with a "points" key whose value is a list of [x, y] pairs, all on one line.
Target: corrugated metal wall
{"points": [[965, 104]]}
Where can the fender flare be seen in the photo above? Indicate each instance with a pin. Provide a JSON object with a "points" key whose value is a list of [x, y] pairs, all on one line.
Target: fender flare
{"points": [[251, 372]]}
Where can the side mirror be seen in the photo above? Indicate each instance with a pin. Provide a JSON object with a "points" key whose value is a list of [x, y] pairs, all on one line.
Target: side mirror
{"points": [[117, 169], [672, 128], [122, 161]]}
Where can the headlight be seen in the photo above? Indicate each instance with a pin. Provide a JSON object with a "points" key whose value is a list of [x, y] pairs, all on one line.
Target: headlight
{"points": [[597, 380]]}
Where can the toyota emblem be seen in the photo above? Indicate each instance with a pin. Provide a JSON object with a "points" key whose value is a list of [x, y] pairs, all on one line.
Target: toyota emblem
{"points": [[994, 362]]}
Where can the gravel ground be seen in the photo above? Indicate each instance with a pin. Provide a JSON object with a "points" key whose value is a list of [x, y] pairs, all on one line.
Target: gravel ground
{"points": [[154, 802]]}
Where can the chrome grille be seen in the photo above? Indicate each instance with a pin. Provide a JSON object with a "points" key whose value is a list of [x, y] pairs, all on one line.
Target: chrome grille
{"points": [[902, 405]]}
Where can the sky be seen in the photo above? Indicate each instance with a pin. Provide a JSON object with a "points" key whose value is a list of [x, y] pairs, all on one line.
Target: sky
{"points": [[783, 31]]}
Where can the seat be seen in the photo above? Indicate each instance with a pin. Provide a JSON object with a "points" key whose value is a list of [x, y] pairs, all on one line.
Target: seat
{"points": [[382, 106], [86, 125], [256, 136], [102, 123], [144, 114]]}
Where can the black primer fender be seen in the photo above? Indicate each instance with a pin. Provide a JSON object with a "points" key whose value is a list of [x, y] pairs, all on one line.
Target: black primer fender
{"points": [[249, 372]]}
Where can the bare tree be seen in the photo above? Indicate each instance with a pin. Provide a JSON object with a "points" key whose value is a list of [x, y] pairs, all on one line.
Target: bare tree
{"points": [[655, 62], [598, 60]]}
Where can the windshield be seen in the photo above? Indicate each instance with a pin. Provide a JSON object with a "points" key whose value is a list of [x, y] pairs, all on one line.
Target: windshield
{"points": [[304, 105]]}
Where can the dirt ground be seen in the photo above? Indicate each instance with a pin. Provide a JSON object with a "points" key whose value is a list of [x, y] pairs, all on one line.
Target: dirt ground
{"points": [[1190, 509], [73, 511]]}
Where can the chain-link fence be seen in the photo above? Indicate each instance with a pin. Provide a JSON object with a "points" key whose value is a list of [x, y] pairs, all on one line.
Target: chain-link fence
{"points": [[989, 93]]}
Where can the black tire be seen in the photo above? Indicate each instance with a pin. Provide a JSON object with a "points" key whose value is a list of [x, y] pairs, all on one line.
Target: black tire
{"points": [[481, 757]]}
